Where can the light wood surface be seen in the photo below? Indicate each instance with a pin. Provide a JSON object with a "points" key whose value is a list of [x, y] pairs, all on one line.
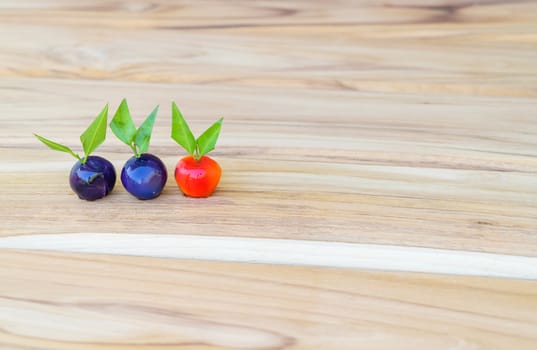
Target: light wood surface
{"points": [[115, 302], [358, 136]]}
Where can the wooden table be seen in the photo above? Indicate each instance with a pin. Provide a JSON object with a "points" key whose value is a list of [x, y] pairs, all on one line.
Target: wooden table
{"points": [[379, 187]]}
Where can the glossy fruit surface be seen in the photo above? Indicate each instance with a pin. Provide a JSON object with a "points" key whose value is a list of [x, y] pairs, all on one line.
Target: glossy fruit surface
{"points": [[93, 179], [144, 177], [197, 178]]}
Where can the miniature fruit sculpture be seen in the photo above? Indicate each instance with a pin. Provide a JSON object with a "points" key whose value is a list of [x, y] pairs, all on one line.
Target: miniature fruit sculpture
{"points": [[91, 177], [144, 175], [197, 175]]}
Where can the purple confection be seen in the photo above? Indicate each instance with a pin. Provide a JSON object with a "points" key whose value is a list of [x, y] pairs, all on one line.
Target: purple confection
{"points": [[93, 179]]}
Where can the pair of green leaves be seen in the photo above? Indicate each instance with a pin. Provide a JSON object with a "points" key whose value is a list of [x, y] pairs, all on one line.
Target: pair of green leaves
{"points": [[91, 138], [125, 130], [138, 139], [182, 134]]}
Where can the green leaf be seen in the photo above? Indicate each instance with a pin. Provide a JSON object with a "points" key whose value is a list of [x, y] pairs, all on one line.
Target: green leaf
{"points": [[56, 146], [143, 136], [207, 140], [122, 125], [95, 133], [181, 132]]}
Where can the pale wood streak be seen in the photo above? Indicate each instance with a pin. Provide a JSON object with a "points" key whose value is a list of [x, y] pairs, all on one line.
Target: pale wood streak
{"points": [[283, 252]]}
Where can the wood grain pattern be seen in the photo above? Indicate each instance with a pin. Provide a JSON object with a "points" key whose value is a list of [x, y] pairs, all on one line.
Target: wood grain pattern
{"points": [[67, 301], [400, 123], [356, 123]]}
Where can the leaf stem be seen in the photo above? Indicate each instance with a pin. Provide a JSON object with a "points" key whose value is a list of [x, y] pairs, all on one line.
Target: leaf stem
{"points": [[135, 150], [196, 154]]}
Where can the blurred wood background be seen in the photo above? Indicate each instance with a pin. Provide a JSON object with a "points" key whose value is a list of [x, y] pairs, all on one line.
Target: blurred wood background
{"points": [[408, 124]]}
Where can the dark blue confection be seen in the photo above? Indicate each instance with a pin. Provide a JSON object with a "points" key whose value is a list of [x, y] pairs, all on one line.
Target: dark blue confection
{"points": [[144, 177]]}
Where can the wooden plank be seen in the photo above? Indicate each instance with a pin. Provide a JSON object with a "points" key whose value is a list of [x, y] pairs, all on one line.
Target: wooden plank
{"points": [[66, 301]]}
